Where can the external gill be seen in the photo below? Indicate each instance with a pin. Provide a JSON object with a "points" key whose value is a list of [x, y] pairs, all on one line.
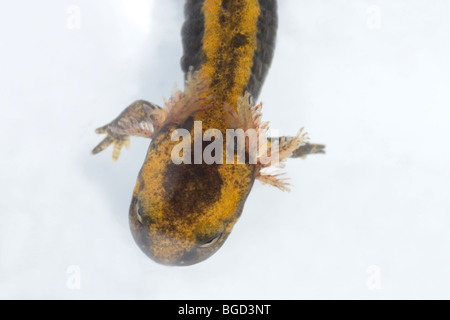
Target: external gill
{"points": [[270, 155]]}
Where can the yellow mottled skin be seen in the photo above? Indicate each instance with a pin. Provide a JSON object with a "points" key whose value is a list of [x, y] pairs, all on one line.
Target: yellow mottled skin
{"points": [[219, 54], [164, 223]]}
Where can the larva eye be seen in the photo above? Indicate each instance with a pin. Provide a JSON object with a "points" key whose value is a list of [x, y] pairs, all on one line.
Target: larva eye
{"points": [[211, 241], [139, 213]]}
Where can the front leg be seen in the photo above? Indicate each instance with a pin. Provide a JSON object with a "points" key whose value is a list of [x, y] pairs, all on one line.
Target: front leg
{"points": [[140, 119], [287, 147], [307, 149], [301, 150]]}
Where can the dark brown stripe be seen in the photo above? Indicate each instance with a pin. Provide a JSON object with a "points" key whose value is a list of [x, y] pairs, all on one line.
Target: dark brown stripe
{"points": [[192, 36]]}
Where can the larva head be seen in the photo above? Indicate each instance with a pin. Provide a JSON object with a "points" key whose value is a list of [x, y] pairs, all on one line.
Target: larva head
{"points": [[181, 214]]}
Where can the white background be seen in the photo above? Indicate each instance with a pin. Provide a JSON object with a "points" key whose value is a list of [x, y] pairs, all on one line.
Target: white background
{"points": [[375, 91]]}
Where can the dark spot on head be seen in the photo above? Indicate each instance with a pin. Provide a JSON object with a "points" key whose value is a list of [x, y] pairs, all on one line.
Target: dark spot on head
{"points": [[191, 187]]}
